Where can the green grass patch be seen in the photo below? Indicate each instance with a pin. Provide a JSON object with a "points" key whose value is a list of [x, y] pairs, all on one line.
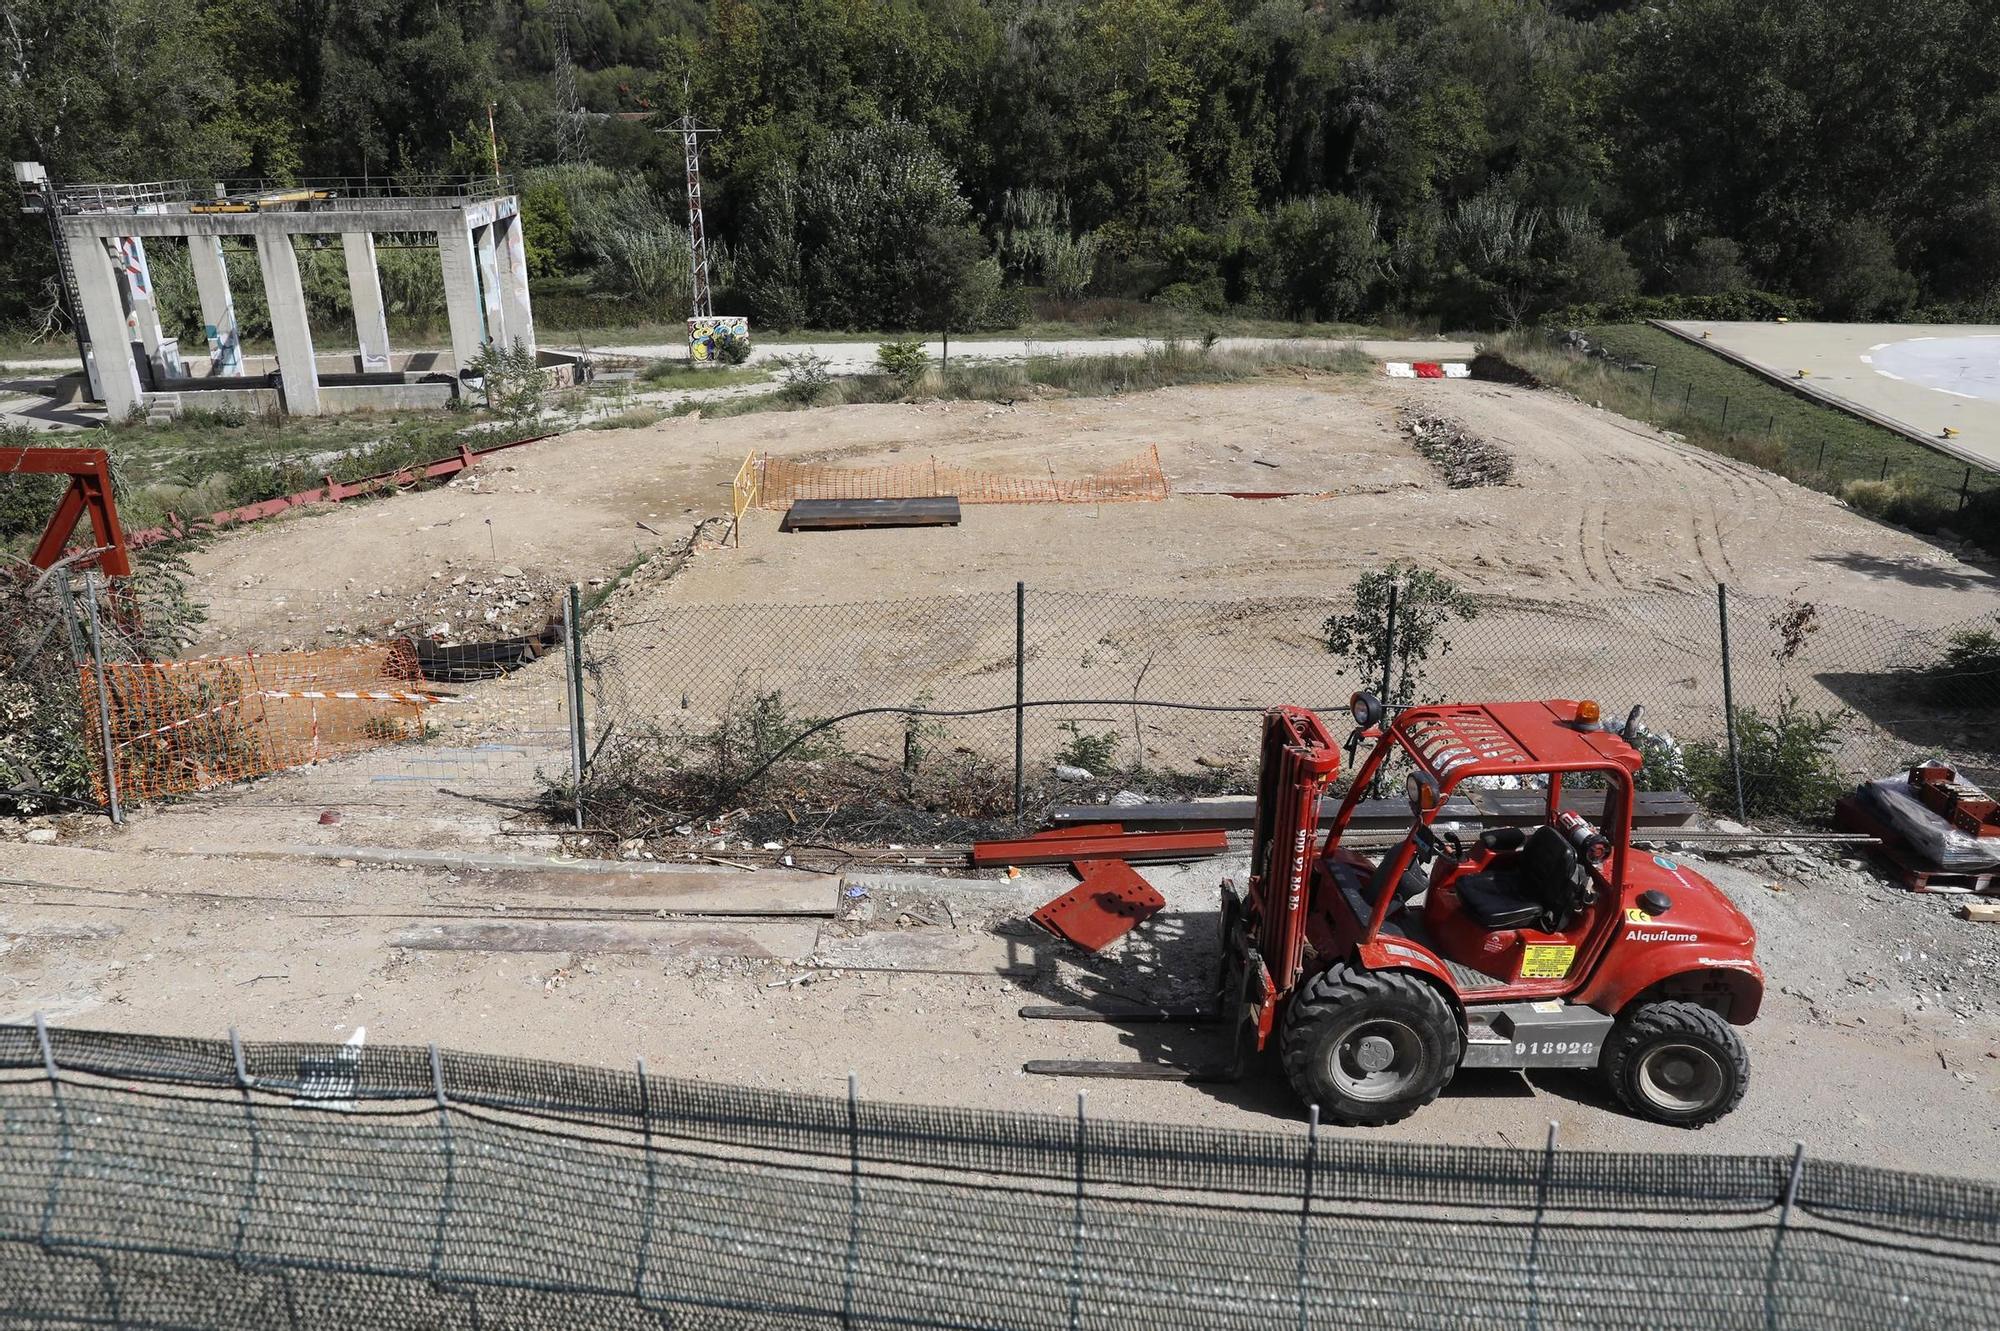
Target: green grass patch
{"points": [[1729, 410], [638, 418], [670, 372], [1070, 376]]}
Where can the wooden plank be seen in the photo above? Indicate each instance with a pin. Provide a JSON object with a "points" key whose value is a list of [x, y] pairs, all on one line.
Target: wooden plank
{"points": [[853, 514], [1988, 911], [723, 892], [932, 952], [1654, 808], [764, 941]]}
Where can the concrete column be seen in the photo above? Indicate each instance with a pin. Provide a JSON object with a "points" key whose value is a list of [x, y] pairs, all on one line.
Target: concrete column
{"points": [[489, 285], [142, 319], [218, 307], [514, 308], [461, 295], [111, 355], [364, 285], [290, 328]]}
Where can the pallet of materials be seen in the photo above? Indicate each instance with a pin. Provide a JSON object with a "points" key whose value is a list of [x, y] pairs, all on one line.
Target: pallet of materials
{"points": [[857, 514]]}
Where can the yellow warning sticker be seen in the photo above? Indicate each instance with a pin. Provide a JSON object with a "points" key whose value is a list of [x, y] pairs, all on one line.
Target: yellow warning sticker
{"points": [[1636, 916], [1547, 961]]}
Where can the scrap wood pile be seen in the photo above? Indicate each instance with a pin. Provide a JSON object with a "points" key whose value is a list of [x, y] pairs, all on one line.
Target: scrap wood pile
{"points": [[1462, 457], [1938, 831]]}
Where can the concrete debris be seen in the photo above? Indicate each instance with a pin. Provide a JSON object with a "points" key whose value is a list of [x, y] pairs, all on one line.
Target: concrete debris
{"points": [[1463, 457]]}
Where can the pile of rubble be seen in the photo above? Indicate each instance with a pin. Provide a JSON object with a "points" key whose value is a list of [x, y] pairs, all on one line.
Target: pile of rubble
{"points": [[1461, 456]]}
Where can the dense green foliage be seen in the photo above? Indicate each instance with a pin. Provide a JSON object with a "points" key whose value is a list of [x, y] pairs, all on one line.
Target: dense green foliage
{"points": [[895, 163]]}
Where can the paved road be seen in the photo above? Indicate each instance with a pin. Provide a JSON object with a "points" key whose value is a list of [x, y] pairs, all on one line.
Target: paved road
{"points": [[856, 356], [25, 400]]}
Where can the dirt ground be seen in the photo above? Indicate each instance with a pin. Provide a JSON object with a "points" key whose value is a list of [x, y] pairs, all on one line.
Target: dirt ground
{"points": [[1879, 1041], [1602, 507]]}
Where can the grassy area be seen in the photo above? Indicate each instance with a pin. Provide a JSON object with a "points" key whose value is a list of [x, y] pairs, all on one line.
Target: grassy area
{"points": [[638, 418], [673, 372], [1073, 376], [1727, 409]]}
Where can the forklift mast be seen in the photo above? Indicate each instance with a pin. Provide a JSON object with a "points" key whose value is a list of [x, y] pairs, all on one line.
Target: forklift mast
{"points": [[1300, 759]]}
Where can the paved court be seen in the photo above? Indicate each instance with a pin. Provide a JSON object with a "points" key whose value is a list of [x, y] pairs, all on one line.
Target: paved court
{"points": [[1919, 378]]}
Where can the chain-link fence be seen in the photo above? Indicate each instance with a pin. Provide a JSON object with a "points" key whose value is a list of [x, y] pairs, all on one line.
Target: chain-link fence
{"points": [[1162, 695], [967, 709], [155, 1182]]}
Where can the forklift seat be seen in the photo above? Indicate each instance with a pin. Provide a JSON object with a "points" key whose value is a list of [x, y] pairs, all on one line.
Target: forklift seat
{"points": [[1545, 883]]}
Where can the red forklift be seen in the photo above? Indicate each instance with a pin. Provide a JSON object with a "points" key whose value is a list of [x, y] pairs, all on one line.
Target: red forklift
{"points": [[1561, 947]]}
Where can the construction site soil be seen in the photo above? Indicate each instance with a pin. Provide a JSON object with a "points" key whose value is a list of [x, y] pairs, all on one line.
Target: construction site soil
{"points": [[1880, 1040]]}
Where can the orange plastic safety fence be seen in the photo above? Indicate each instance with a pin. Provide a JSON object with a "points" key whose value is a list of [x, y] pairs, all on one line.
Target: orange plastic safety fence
{"points": [[178, 726], [781, 480]]}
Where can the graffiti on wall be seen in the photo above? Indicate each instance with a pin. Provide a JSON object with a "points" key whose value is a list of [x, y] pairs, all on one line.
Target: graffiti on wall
{"points": [[707, 337]]}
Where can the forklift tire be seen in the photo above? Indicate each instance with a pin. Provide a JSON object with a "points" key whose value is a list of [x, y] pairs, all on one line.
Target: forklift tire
{"points": [[1676, 1063], [1369, 1047]]}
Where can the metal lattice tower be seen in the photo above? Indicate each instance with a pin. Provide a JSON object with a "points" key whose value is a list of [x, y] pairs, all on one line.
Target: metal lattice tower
{"points": [[691, 132], [572, 146]]}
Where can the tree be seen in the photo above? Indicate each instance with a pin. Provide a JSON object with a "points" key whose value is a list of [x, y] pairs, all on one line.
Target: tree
{"points": [[1857, 276], [1427, 603]]}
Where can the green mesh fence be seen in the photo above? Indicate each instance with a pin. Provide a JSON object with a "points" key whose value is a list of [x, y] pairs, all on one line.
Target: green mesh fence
{"points": [[155, 1182]]}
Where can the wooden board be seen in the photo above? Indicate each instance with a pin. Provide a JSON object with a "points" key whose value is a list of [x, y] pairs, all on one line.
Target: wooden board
{"points": [[1494, 808], [852, 514], [723, 892], [931, 952], [778, 940]]}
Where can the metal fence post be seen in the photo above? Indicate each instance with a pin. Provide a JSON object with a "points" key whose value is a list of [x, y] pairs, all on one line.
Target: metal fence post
{"points": [[103, 700], [652, 1187], [1820, 466], [1020, 701], [450, 1166], [1729, 699], [1076, 1245], [1306, 1204], [1654, 387], [244, 1085], [1965, 490], [1789, 1197], [68, 1147], [1724, 427], [573, 677], [1535, 1235], [853, 1200], [1389, 644]]}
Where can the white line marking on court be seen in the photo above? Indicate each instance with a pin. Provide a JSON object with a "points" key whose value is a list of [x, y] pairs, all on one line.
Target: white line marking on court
{"points": [[1867, 360], [1886, 375], [1877, 347], [1955, 393]]}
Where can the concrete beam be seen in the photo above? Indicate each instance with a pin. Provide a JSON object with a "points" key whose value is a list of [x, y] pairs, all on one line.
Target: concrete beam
{"points": [[484, 244], [290, 328], [364, 286], [218, 307], [392, 216], [515, 310], [104, 313], [461, 295]]}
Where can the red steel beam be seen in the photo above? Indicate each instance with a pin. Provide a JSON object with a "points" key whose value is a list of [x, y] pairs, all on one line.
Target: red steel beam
{"points": [[89, 472], [1128, 846], [330, 493]]}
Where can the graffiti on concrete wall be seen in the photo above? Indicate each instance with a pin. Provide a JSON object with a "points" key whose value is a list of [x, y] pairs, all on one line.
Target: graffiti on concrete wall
{"points": [[707, 337]]}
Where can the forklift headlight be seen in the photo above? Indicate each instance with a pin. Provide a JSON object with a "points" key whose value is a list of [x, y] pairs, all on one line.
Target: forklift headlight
{"points": [[1422, 792], [1367, 709]]}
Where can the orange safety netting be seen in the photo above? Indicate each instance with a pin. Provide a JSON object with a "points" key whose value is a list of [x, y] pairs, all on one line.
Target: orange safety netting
{"points": [[178, 726], [780, 481]]}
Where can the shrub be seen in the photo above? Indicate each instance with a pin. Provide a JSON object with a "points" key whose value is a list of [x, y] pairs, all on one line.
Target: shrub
{"points": [[1969, 671], [905, 361], [731, 349], [1787, 761], [1427, 603], [806, 377], [1093, 753]]}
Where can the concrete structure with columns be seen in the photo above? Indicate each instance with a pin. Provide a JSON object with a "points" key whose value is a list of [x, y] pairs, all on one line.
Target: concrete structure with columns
{"points": [[134, 370]]}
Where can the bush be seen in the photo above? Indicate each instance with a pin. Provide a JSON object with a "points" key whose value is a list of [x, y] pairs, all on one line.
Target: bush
{"points": [[1724, 306], [904, 361], [1427, 602], [1787, 760], [1969, 672], [806, 377]]}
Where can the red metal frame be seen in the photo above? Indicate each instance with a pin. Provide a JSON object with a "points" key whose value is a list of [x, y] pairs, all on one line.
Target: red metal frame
{"points": [[331, 493], [89, 493]]}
